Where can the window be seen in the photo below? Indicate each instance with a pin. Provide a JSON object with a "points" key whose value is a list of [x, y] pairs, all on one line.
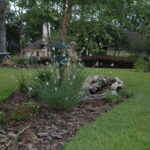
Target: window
{"points": [[37, 54]]}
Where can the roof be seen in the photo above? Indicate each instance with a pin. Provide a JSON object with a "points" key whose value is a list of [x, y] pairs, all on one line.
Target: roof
{"points": [[38, 44]]}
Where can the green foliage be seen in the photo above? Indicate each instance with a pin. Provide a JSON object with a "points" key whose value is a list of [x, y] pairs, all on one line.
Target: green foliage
{"points": [[20, 112], [120, 97], [22, 82], [142, 65], [44, 75], [20, 60], [24, 111], [7, 63], [65, 96], [34, 60]]}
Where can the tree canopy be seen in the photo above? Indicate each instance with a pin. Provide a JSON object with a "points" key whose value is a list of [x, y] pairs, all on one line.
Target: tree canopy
{"points": [[94, 24]]}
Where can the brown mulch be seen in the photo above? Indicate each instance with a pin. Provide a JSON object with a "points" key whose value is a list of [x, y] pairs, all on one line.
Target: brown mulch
{"points": [[48, 130]]}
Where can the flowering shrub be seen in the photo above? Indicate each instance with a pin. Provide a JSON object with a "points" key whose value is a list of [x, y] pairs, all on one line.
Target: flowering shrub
{"points": [[64, 96]]}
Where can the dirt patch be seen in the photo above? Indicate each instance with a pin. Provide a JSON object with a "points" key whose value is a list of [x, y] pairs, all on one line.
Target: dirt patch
{"points": [[48, 130]]}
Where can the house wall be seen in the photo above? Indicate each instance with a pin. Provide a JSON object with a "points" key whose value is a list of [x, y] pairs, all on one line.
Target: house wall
{"points": [[36, 53]]}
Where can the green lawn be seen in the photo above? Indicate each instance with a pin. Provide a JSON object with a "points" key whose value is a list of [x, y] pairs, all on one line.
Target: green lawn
{"points": [[127, 126], [8, 79]]}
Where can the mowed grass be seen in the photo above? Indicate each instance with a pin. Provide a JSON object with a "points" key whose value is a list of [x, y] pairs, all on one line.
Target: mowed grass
{"points": [[125, 127], [8, 80]]}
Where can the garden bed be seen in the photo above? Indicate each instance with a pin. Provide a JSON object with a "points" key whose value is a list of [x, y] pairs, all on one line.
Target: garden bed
{"points": [[47, 130]]}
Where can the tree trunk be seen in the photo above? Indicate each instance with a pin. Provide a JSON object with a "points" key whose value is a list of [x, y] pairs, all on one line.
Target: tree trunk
{"points": [[67, 14], [2, 27]]}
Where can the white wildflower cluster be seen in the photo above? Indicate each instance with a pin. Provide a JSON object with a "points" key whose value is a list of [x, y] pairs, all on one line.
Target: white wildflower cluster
{"points": [[56, 89], [68, 64], [30, 88], [53, 49], [74, 76], [47, 83], [86, 39], [47, 63], [67, 98]]}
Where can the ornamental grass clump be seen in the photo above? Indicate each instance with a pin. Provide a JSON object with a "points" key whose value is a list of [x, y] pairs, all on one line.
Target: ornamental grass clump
{"points": [[64, 96]]}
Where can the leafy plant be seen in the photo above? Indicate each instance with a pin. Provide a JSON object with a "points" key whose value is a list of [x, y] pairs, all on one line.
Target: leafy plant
{"points": [[142, 65], [44, 75], [20, 60], [65, 96], [121, 96], [34, 60], [24, 110], [22, 83]]}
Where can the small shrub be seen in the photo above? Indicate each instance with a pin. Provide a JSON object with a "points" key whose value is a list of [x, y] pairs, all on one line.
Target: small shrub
{"points": [[34, 60], [142, 65], [22, 83], [20, 60], [7, 63], [24, 111], [121, 96], [44, 75], [65, 96]]}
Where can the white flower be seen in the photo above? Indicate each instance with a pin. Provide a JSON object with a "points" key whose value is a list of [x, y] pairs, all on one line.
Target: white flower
{"points": [[56, 88], [30, 88], [90, 55], [112, 65], [74, 76], [86, 39], [47, 63], [66, 98], [47, 83], [53, 48]]}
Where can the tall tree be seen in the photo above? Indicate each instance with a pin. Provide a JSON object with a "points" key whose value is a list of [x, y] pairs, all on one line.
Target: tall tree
{"points": [[67, 14], [2, 26]]}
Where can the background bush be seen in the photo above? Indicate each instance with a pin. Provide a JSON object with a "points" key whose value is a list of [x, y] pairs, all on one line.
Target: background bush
{"points": [[20, 60], [142, 65]]}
